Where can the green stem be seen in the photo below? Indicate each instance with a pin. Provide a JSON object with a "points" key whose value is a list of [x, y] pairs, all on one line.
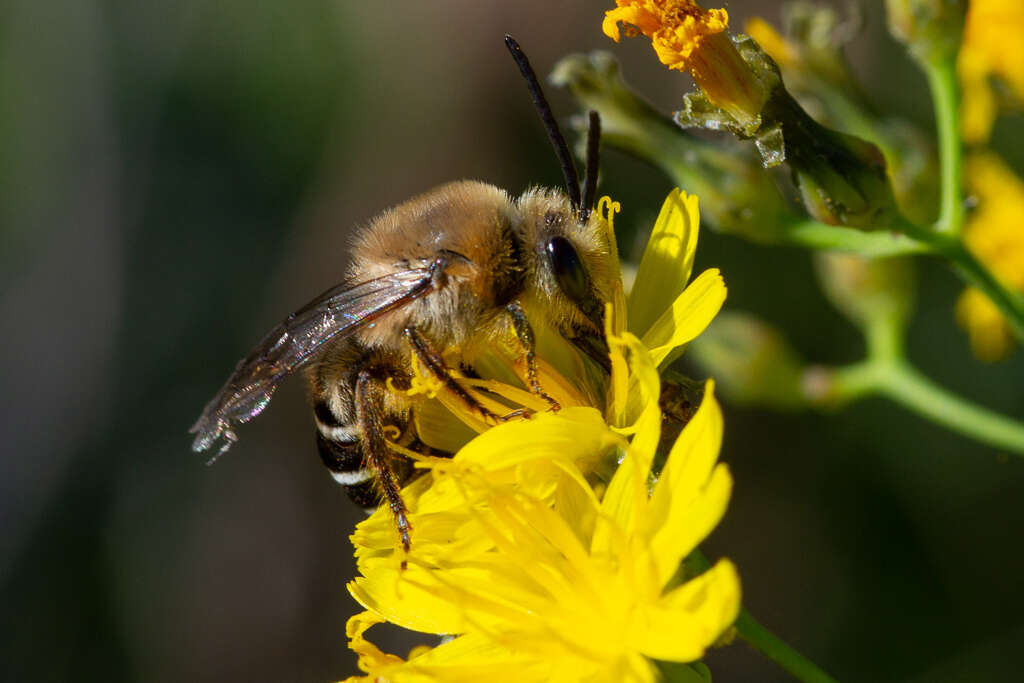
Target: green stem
{"points": [[816, 235], [945, 98], [772, 647], [973, 271], [902, 383], [976, 273]]}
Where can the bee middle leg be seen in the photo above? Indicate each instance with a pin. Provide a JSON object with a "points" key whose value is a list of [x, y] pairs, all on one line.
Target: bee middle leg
{"points": [[526, 339], [431, 358]]}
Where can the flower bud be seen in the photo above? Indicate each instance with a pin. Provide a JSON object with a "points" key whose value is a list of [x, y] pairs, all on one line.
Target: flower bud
{"points": [[686, 37], [751, 361], [841, 179], [930, 28], [737, 195], [810, 56], [868, 290]]}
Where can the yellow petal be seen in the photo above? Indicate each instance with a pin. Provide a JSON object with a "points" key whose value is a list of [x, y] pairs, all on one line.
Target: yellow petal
{"points": [[688, 619], [439, 428], [406, 598], [690, 313], [466, 659], [470, 659], [627, 491], [691, 494], [370, 656], [572, 435], [667, 261]]}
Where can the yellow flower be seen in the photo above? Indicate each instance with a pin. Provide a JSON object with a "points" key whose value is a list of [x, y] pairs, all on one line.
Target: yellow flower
{"points": [[687, 37], [676, 28], [570, 588], [990, 51], [542, 564], [995, 234]]}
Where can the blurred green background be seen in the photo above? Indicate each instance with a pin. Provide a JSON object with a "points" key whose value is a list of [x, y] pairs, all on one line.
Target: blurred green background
{"points": [[176, 177]]}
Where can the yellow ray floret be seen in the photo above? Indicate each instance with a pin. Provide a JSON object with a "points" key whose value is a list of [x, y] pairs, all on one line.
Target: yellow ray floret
{"points": [[990, 52], [995, 234]]}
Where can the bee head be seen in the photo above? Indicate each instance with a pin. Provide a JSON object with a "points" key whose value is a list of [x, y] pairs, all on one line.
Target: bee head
{"points": [[572, 272]]}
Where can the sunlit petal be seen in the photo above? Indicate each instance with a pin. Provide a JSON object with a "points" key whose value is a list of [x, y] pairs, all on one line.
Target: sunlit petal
{"points": [[689, 315], [667, 261]]}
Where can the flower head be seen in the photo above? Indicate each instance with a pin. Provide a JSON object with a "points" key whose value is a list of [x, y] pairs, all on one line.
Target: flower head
{"points": [[548, 547], [996, 236], [989, 53], [676, 28], [686, 37]]}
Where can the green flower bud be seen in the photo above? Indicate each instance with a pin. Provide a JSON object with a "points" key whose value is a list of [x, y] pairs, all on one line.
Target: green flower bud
{"points": [[736, 194], [931, 29], [841, 179], [751, 362], [868, 291], [809, 53]]}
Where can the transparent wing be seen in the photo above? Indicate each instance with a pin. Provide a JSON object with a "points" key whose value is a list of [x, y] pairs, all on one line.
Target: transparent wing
{"points": [[336, 313]]}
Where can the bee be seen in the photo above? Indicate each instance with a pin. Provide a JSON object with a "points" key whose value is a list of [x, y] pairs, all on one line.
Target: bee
{"points": [[427, 279]]}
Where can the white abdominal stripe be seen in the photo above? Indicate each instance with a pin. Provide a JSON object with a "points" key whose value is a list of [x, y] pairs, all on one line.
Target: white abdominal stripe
{"points": [[341, 435], [354, 477]]}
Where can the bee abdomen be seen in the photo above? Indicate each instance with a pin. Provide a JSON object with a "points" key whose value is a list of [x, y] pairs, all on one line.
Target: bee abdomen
{"points": [[340, 447]]}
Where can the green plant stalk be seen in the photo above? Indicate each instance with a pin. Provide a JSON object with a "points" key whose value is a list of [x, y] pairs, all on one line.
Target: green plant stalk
{"points": [[941, 75], [900, 382], [772, 647], [974, 272], [816, 235]]}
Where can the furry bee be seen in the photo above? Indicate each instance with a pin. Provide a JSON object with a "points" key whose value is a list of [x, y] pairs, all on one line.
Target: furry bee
{"points": [[428, 278]]}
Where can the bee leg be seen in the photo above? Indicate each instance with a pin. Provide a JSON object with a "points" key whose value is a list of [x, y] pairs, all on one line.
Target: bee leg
{"points": [[529, 344], [432, 360], [376, 453]]}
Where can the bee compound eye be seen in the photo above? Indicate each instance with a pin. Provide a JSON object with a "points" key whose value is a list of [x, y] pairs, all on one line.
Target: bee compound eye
{"points": [[570, 272]]}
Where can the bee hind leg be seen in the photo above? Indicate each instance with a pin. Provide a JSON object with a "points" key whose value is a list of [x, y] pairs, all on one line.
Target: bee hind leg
{"points": [[377, 455], [432, 360]]}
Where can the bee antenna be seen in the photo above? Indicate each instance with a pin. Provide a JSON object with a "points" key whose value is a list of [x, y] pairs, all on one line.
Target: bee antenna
{"points": [[590, 175], [572, 183]]}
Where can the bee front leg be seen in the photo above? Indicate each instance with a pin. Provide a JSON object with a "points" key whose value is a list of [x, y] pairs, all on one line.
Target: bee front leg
{"points": [[369, 404], [525, 334], [432, 360]]}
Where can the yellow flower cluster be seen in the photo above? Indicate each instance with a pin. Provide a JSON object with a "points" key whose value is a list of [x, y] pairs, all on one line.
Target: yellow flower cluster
{"points": [[990, 51], [686, 37], [995, 234], [537, 561], [676, 27]]}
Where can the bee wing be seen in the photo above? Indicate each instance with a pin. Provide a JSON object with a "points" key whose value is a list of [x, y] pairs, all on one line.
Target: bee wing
{"points": [[336, 313]]}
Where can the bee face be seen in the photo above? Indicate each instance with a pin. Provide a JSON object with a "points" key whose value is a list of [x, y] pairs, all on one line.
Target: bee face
{"points": [[573, 271]]}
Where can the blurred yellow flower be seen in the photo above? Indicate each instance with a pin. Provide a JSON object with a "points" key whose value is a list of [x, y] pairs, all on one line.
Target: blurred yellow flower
{"points": [[995, 234], [542, 564], [687, 37], [991, 51], [783, 51]]}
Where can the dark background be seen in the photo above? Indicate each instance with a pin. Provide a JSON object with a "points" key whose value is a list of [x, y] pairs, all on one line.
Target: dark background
{"points": [[176, 177]]}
